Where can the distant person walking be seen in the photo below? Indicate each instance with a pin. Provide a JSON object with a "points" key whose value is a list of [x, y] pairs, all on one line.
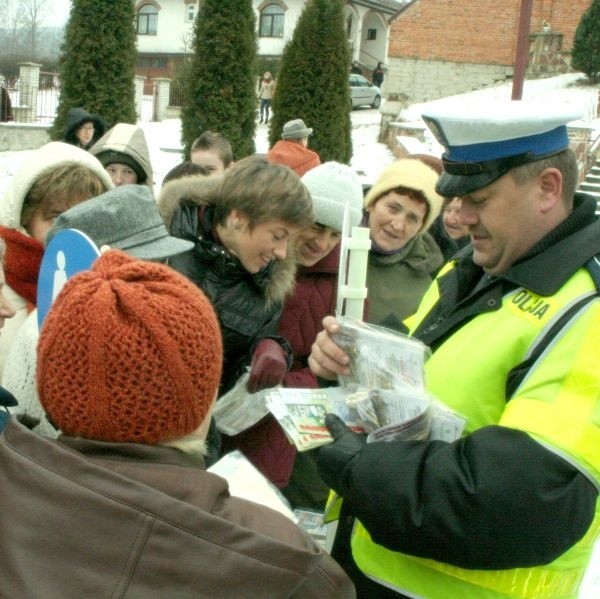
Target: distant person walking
{"points": [[377, 75], [265, 95], [355, 68]]}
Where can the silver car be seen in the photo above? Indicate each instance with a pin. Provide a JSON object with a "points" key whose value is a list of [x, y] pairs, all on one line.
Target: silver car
{"points": [[363, 92]]}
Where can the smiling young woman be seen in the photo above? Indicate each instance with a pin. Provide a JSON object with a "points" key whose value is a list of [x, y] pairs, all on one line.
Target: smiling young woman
{"points": [[242, 224]]}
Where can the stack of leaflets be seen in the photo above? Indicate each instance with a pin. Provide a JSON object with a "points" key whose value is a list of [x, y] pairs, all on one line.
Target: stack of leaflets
{"points": [[312, 523], [301, 414], [384, 396]]}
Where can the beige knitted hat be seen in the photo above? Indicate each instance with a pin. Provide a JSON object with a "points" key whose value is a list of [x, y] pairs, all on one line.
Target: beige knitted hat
{"points": [[412, 174]]}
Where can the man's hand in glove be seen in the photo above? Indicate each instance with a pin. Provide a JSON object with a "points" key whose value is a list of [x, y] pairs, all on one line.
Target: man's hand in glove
{"points": [[332, 459], [268, 366]]}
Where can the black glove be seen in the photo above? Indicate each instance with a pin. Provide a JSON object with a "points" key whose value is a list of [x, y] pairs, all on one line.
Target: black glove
{"points": [[332, 459]]}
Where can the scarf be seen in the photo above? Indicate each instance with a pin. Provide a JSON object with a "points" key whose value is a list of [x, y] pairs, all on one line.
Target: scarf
{"points": [[22, 263]]}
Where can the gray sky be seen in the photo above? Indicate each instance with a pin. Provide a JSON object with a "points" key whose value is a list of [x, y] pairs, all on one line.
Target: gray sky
{"points": [[58, 12]]}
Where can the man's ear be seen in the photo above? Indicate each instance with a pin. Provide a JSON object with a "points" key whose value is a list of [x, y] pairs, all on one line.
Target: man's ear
{"points": [[551, 186]]}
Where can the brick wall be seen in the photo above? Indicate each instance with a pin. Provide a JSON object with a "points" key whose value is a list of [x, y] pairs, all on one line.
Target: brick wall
{"points": [[476, 31]]}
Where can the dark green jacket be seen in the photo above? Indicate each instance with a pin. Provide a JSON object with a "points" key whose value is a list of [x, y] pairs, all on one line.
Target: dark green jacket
{"points": [[396, 283]]}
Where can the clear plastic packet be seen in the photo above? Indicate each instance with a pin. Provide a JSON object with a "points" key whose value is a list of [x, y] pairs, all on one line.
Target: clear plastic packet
{"points": [[380, 358], [238, 410]]}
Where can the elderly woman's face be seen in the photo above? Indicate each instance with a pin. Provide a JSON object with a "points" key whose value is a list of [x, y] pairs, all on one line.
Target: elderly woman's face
{"points": [[394, 219]]}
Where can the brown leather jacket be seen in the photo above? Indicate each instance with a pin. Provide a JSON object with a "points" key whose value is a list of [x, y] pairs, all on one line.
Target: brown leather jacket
{"points": [[81, 518]]}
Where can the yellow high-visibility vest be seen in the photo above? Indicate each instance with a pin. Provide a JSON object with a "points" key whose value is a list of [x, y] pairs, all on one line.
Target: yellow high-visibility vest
{"points": [[556, 403]]}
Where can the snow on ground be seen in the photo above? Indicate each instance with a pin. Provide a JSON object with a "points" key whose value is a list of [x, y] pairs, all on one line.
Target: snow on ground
{"points": [[370, 156], [567, 91], [164, 143]]}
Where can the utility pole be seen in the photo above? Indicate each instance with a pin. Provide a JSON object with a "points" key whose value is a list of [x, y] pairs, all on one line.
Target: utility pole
{"points": [[522, 49]]}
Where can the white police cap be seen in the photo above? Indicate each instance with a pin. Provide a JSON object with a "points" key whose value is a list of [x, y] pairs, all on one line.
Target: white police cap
{"points": [[483, 143]]}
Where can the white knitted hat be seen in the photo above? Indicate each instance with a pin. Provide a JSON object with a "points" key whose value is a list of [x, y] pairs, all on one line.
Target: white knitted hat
{"points": [[331, 185]]}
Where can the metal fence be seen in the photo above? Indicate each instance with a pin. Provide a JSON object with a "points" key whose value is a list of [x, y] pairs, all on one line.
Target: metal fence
{"points": [[177, 93], [31, 103]]}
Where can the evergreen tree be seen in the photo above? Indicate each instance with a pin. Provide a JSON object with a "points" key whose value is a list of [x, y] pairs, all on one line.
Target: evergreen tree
{"points": [[98, 62], [313, 81], [585, 55], [220, 86]]}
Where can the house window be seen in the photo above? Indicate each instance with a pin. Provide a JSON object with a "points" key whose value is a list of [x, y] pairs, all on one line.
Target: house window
{"points": [[271, 21], [190, 13], [349, 27], [371, 34], [147, 20]]}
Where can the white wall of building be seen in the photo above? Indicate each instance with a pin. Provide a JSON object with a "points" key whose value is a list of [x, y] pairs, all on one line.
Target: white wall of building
{"points": [[172, 26], [174, 29], [273, 46]]}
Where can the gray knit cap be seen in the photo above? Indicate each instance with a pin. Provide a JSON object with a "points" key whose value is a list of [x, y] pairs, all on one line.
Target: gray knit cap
{"points": [[331, 185], [125, 218]]}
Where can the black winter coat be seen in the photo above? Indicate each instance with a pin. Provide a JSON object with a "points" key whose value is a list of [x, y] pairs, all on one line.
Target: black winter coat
{"points": [[248, 305]]}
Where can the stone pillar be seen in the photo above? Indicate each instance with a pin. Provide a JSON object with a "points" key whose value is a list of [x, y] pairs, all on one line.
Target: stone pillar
{"points": [[29, 85], [163, 91], [389, 113], [139, 94]]}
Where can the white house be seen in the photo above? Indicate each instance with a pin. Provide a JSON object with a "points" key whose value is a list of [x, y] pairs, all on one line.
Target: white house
{"points": [[165, 28]]}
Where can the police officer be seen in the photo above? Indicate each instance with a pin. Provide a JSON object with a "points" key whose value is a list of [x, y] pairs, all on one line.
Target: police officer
{"points": [[513, 321]]}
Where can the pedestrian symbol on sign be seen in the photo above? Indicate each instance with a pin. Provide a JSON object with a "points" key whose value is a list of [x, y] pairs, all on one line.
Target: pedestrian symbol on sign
{"points": [[69, 252]]}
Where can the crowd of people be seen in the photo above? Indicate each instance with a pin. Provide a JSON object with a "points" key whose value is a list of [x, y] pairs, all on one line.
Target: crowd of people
{"points": [[486, 254]]}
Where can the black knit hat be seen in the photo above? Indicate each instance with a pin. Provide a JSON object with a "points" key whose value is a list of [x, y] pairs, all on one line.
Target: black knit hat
{"points": [[112, 156]]}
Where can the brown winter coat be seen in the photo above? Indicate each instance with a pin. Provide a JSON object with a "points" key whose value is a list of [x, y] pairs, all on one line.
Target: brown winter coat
{"points": [[90, 519]]}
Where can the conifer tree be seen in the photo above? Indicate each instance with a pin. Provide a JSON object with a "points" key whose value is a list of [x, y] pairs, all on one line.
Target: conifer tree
{"points": [[585, 55], [98, 59], [313, 81], [220, 86]]}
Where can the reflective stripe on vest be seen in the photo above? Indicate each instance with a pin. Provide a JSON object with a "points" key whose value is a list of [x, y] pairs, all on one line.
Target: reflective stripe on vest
{"points": [[557, 402], [417, 577], [476, 360]]}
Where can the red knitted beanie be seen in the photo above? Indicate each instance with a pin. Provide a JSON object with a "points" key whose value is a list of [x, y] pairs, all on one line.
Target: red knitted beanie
{"points": [[131, 352]]}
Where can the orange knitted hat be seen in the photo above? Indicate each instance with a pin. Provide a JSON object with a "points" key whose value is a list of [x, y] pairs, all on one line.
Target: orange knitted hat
{"points": [[130, 352]]}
